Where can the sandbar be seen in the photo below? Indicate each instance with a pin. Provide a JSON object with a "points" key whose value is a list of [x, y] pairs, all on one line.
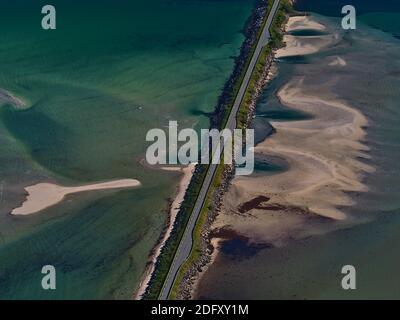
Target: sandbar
{"points": [[44, 195]]}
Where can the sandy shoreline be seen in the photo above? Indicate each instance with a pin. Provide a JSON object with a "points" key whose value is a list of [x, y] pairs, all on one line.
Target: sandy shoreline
{"points": [[297, 23], [174, 209], [303, 45], [7, 97], [44, 195], [324, 156]]}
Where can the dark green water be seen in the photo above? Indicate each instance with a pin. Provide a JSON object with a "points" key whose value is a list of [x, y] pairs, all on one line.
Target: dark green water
{"points": [[110, 72], [311, 268]]}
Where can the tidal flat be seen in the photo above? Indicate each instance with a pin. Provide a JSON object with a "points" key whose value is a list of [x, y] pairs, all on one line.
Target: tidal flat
{"points": [[297, 251]]}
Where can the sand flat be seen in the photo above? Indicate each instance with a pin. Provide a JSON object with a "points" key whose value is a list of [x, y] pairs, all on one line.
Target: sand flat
{"points": [[303, 23], [304, 45], [338, 61], [324, 156], [44, 195]]}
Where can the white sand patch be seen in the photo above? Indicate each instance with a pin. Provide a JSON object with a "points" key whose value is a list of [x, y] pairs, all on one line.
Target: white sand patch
{"points": [[338, 61], [7, 97], [187, 173], [303, 22], [324, 156], [296, 47], [304, 45], [44, 195]]}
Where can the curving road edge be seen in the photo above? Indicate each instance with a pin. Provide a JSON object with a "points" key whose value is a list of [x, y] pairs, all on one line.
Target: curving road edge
{"points": [[185, 245]]}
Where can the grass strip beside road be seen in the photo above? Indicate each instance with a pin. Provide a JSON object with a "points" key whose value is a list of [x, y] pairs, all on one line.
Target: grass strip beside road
{"points": [[169, 250], [196, 249], [239, 81], [285, 8]]}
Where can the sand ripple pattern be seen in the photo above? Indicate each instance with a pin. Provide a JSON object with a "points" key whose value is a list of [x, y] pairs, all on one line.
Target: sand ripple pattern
{"points": [[325, 156]]}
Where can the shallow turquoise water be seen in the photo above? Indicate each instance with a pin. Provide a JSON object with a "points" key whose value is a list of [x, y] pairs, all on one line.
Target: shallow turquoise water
{"points": [[111, 71]]}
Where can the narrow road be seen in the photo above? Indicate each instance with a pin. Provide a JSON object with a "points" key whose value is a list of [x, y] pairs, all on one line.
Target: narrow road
{"points": [[185, 245]]}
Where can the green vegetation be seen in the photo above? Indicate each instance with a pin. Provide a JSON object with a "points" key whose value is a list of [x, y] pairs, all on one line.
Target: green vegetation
{"points": [[240, 79], [276, 26], [196, 249], [169, 250], [241, 117], [276, 41]]}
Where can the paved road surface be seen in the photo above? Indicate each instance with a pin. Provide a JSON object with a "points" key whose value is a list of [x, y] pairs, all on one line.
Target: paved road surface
{"points": [[185, 245]]}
